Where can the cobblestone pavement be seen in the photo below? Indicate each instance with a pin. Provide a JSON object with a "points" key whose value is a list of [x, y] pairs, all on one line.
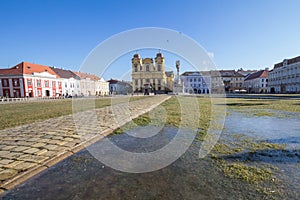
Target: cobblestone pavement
{"points": [[27, 150]]}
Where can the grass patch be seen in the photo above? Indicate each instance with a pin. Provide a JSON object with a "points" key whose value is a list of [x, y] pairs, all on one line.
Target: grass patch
{"points": [[250, 174], [174, 112], [290, 105], [15, 114]]}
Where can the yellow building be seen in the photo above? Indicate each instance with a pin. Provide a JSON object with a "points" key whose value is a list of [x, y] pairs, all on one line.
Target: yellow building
{"points": [[150, 76]]}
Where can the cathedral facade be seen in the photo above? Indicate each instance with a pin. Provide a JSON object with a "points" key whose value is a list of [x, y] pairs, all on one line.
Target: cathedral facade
{"points": [[149, 75]]}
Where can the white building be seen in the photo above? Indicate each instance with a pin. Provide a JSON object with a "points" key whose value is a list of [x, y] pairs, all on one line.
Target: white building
{"points": [[196, 82], [92, 85], [70, 81], [119, 87], [257, 82], [102, 87], [285, 77]]}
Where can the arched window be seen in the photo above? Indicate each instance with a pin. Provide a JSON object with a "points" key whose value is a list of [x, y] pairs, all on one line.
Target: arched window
{"points": [[147, 68], [158, 67], [135, 68]]}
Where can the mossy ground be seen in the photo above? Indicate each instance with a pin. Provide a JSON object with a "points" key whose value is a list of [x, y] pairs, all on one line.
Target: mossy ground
{"points": [[260, 175]]}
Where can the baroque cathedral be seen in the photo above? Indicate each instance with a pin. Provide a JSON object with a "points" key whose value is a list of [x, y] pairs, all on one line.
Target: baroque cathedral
{"points": [[149, 75]]}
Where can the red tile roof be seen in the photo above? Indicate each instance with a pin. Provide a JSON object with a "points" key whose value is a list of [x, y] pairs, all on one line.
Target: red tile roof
{"points": [[27, 68], [86, 75], [258, 74], [289, 61]]}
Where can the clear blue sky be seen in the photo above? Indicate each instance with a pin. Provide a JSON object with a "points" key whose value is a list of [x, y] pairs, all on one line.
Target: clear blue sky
{"points": [[252, 34]]}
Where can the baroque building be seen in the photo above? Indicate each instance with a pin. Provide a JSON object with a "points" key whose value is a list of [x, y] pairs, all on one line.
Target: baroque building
{"points": [[149, 75]]}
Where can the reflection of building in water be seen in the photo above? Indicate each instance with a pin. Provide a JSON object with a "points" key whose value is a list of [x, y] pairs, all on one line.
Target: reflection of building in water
{"points": [[150, 76]]}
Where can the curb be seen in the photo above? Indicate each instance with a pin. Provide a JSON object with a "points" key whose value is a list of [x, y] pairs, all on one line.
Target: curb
{"points": [[24, 176]]}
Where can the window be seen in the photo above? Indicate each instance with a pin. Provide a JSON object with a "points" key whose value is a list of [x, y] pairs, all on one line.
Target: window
{"points": [[59, 84], [38, 83], [66, 84], [195, 80], [158, 67], [147, 80], [147, 68], [191, 80], [158, 81], [29, 82], [135, 68], [46, 83], [136, 82], [141, 68], [5, 83], [16, 82], [53, 84]]}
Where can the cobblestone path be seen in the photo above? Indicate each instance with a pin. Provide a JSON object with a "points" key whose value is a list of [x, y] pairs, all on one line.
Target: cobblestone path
{"points": [[29, 149]]}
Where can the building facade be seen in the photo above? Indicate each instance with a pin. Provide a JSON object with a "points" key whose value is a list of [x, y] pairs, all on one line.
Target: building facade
{"points": [[29, 80], [34, 80], [285, 77], [257, 82], [149, 75], [117, 87], [196, 83], [70, 82]]}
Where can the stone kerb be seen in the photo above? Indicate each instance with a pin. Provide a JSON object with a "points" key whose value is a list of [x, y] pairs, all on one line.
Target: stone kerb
{"points": [[29, 149]]}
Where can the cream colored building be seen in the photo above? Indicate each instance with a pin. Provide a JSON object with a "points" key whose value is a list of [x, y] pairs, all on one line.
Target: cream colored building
{"points": [[149, 75], [285, 77]]}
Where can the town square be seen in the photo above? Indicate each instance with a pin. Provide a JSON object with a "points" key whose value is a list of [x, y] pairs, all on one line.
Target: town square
{"points": [[149, 100]]}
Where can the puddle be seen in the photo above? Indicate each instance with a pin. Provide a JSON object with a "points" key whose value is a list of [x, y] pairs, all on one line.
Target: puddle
{"points": [[81, 176], [280, 128], [274, 129]]}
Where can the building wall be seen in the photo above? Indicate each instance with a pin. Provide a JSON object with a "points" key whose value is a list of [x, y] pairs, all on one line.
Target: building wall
{"points": [[102, 88], [12, 86], [285, 79], [257, 85], [41, 86], [29, 86], [71, 86], [148, 74], [196, 83]]}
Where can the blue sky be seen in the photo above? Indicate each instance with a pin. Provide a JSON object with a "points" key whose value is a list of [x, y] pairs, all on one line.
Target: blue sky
{"points": [[252, 34]]}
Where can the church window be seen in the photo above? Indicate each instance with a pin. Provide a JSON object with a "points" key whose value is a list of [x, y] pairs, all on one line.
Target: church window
{"points": [[159, 68]]}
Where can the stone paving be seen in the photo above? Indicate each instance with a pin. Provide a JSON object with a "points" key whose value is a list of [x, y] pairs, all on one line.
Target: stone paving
{"points": [[29, 149]]}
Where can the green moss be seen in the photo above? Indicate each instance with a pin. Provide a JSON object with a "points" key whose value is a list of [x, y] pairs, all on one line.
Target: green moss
{"points": [[251, 174]]}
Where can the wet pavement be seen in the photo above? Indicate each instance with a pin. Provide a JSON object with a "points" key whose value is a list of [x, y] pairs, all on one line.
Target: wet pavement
{"points": [[29, 149], [84, 177], [81, 176]]}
